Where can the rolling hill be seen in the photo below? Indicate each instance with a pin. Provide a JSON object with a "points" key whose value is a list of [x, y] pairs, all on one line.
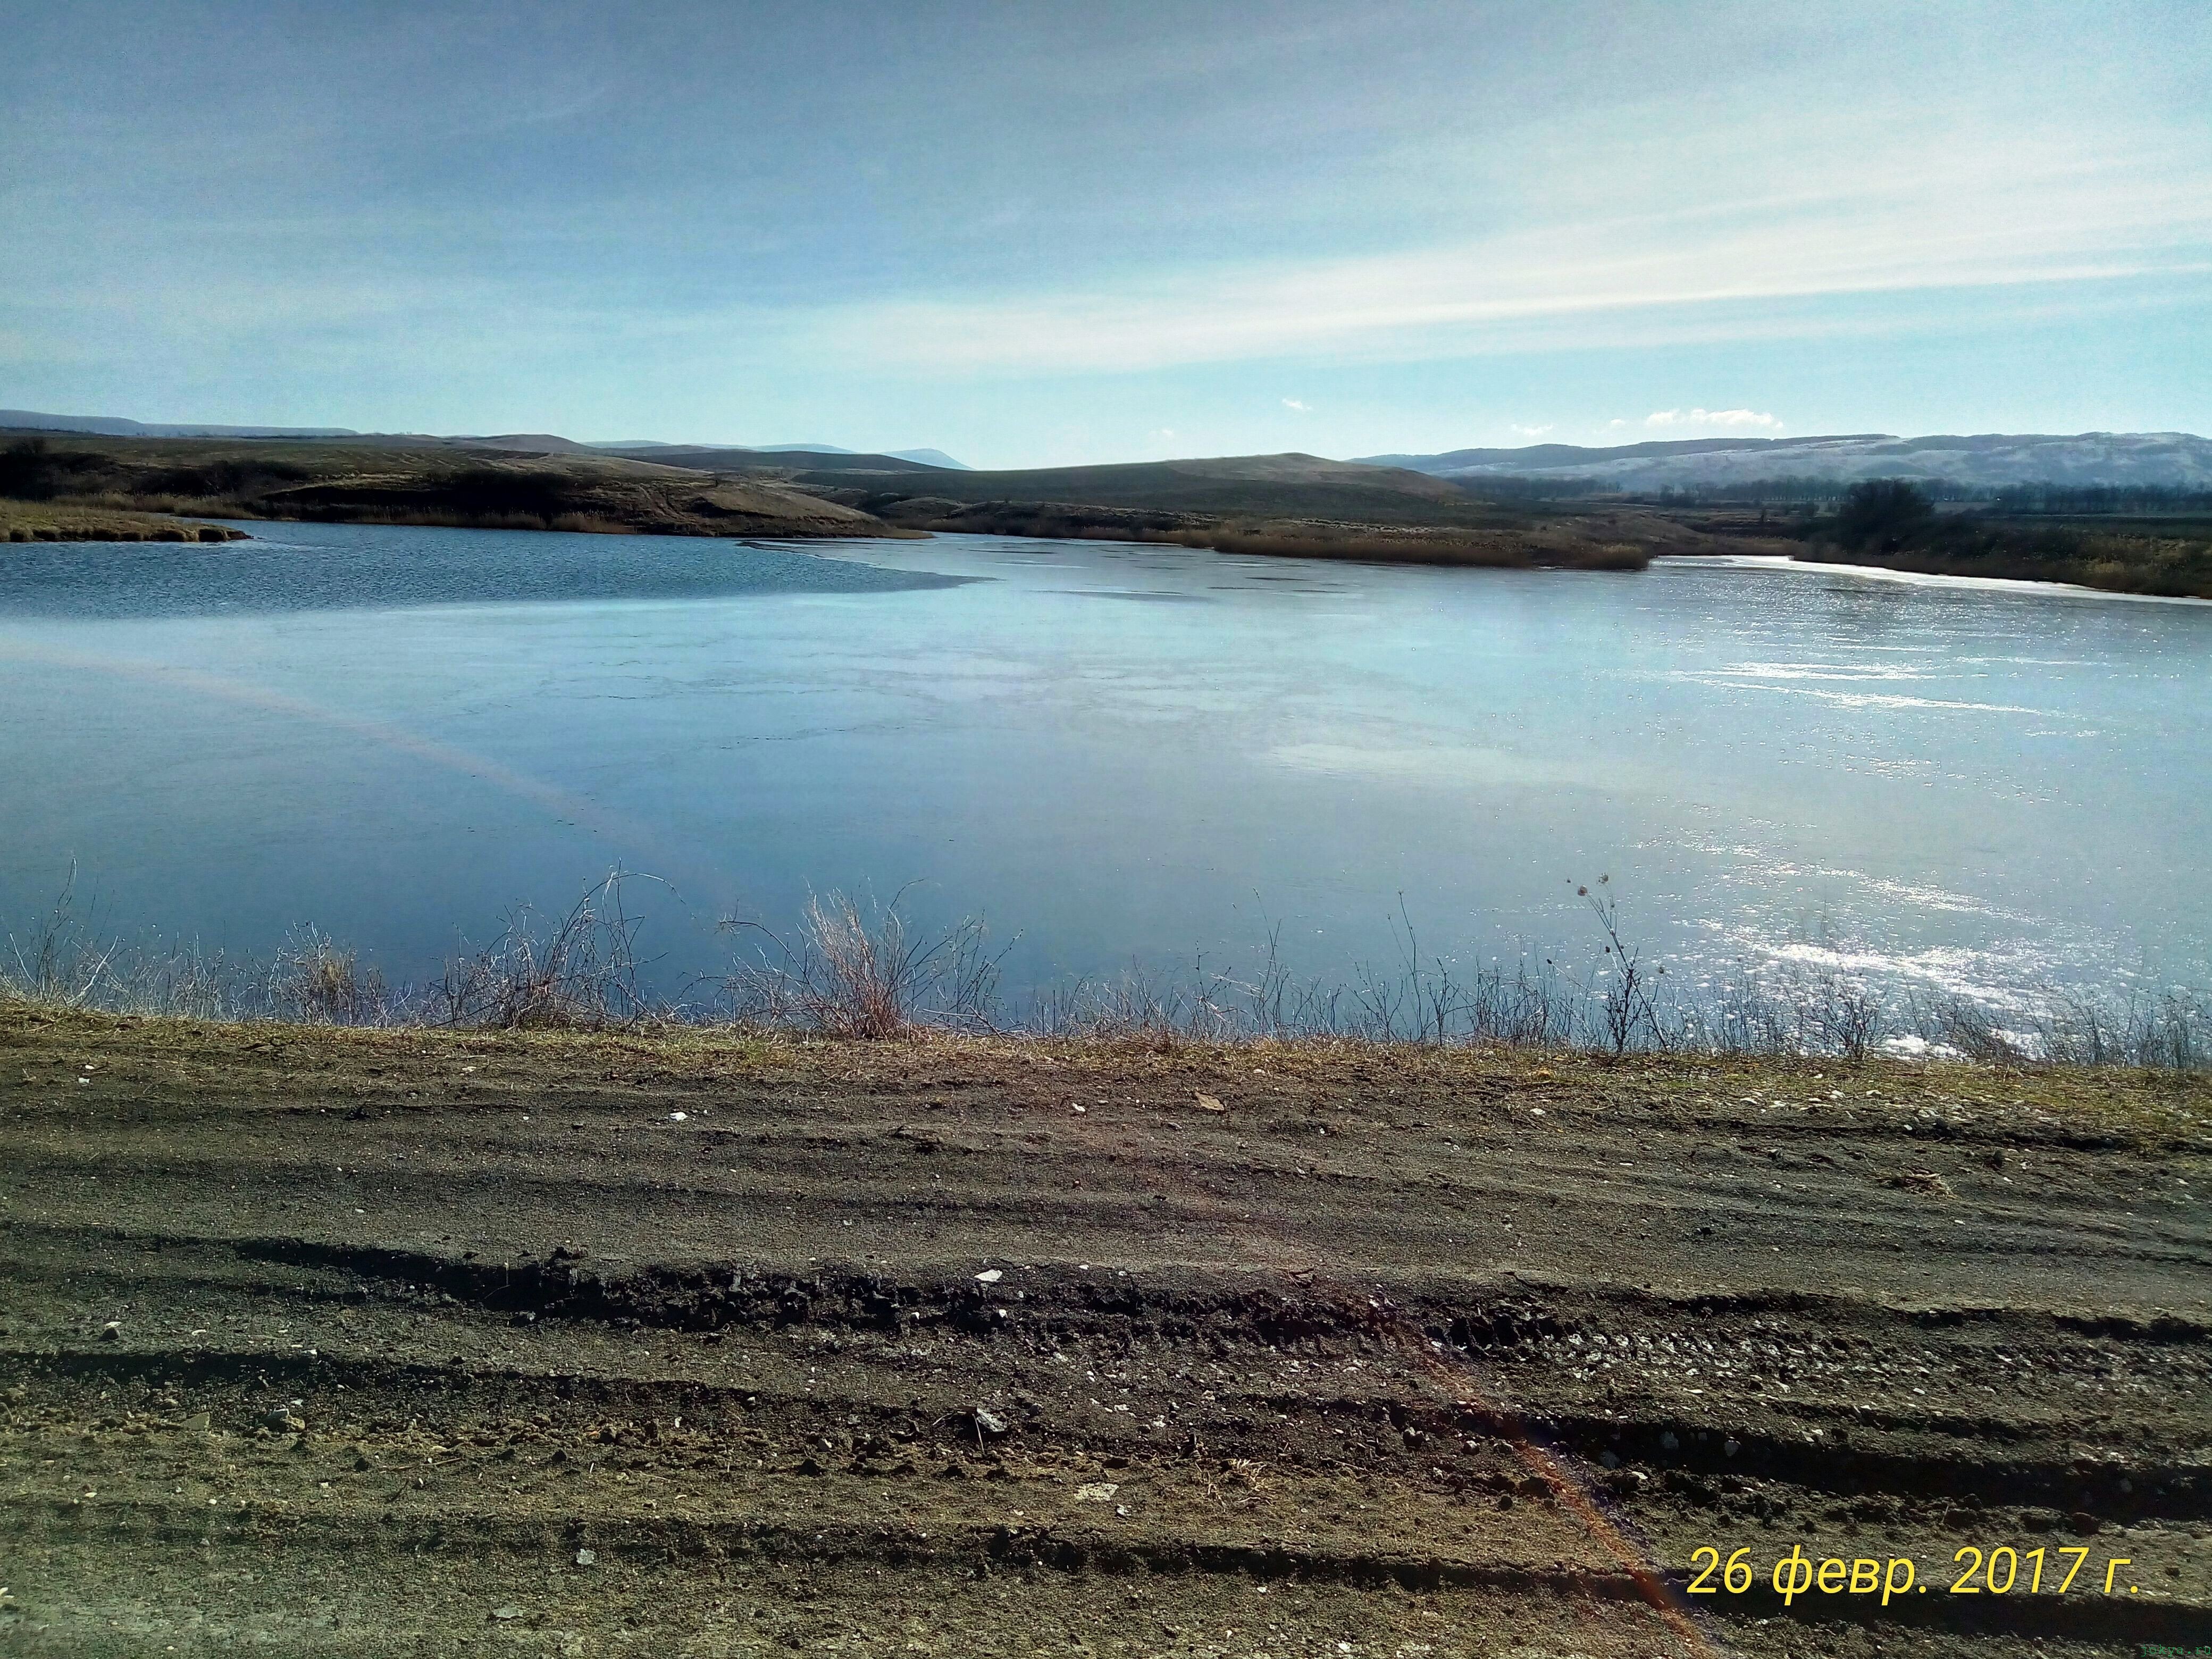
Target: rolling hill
{"points": [[428, 482], [1289, 486]]}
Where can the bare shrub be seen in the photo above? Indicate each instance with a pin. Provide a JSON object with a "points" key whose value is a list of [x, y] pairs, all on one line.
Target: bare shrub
{"points": [[860, 971], [1622, 999], [580, 971], [317, 982], [59, 961], [1848, 1019], [1974, 1030]]}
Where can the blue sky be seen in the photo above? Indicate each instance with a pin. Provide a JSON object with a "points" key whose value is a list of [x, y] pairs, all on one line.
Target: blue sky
{"points": [[1039, 234]]}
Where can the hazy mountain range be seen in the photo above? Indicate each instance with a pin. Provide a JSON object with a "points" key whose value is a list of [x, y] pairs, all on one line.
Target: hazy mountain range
{"points": [[113, 425], [1988, 460]]}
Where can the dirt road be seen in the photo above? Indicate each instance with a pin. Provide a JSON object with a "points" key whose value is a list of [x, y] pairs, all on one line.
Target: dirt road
{"points": [[339, 1343]]}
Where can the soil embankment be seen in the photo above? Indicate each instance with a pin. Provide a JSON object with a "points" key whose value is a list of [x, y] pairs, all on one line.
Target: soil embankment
{"points": [[366, 1343]]}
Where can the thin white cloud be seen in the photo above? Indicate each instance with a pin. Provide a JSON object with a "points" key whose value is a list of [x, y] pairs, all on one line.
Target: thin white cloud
{"points": [[1986, 222], [1711, 420], [1293, 402], [1521, 431]]}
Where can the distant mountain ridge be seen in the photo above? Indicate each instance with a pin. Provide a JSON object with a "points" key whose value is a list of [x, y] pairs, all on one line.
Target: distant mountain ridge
{"points": [[542, 443], [1988, 460], [109, 426]]}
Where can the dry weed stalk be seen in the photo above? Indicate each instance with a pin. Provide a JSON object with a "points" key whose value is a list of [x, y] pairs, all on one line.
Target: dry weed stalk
{"points": [[862, 971]]}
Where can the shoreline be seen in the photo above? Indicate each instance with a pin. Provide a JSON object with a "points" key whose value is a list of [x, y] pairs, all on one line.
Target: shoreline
{"points": [[1358, 545]]}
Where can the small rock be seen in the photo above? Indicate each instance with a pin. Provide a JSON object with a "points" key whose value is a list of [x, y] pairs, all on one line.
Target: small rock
{"points": [[587, 1557], [676, 1117], [1731, 1446], [989, 1422], [283, 1420], [508, 1612], [1611, 1459], [1922, 1181], [990, 1276], [112, 1331], [1208, 1104], [1669, 1441], [1096, 1492]]}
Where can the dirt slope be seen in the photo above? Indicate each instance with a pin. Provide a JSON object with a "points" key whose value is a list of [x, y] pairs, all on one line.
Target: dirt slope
{"points": [[429, 1343]]}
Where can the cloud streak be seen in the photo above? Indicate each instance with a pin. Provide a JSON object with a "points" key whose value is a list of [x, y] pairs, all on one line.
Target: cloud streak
{"points": [[2074, 223]]}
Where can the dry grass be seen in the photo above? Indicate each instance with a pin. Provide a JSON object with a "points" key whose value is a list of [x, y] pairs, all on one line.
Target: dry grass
{"points": [[98, 521], [1607, 539], [856, 970], [862, 971]]}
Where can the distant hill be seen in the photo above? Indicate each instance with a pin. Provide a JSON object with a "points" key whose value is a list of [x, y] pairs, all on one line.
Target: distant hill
{"points": [[529, 443], [2171, 459], [31, 420], [493, 484], [1292, 486]]}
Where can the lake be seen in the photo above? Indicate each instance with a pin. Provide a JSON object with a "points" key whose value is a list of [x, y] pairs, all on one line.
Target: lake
{"points": [[1118, 754]]}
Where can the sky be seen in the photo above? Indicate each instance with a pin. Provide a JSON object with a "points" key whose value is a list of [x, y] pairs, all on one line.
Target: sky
{"points": [[1042, 234]]}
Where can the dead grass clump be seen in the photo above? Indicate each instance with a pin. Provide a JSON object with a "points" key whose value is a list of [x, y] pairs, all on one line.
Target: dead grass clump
{"points": [[862, 971], [580, 972], [316, 982]]}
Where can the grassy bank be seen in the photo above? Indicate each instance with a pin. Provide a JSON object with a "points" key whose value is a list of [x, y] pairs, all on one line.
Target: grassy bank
{"points": [[2132, 542], [397, 482], [1596, 539], [72, 521], [1895, 523], [862, 971], [2119, 556]]}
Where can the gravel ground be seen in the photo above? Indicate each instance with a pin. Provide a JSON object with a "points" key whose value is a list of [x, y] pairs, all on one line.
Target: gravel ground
{"points": [[340, 1343]]}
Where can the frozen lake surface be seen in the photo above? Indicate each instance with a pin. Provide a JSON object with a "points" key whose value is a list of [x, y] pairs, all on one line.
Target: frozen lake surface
{"points": [[1119, 753]]}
